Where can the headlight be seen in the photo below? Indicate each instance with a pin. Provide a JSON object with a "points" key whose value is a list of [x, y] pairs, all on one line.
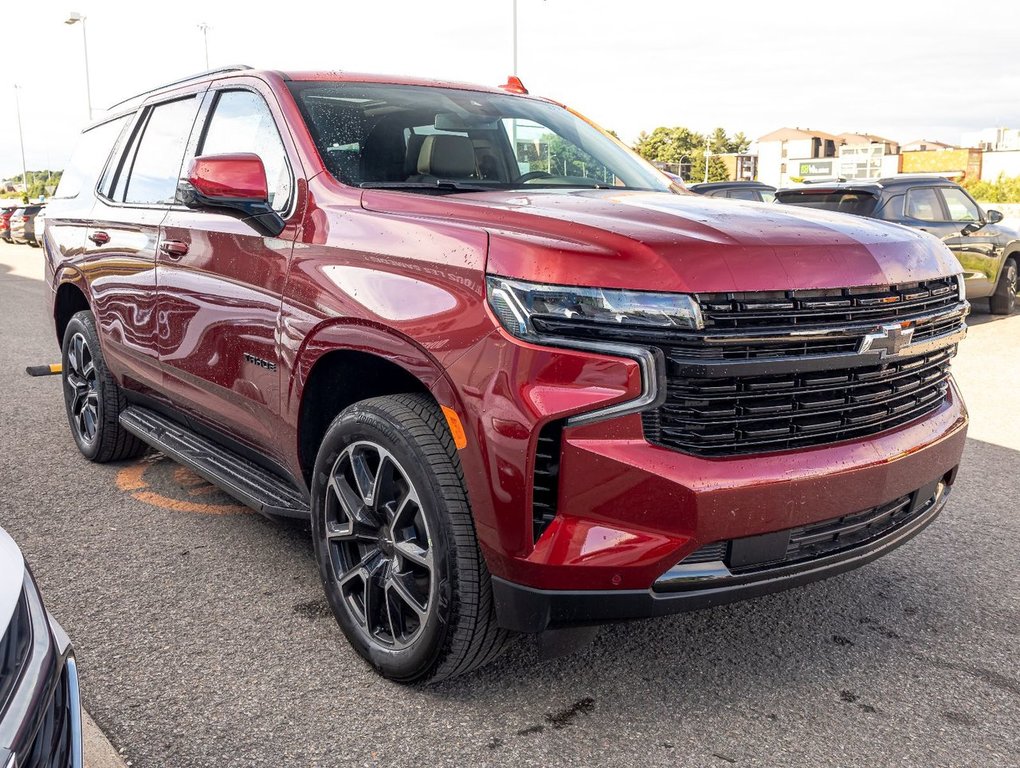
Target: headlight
{"points": [[529, 310], [963, 287]]}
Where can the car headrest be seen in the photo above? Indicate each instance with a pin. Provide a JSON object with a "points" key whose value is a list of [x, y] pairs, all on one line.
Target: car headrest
{"points": [[447, 156]]}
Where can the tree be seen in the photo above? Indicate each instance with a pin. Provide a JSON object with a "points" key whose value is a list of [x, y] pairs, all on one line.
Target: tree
{"points": [[686, 149]]}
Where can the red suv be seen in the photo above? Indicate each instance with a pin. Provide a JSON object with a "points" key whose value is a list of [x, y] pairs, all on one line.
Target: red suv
{"points": [[518, 381]]}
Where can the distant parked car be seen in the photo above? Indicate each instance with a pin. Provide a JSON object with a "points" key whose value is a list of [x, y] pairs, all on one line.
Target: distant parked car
{"points": [[40, 713], [736, 190], [23, 225], [5, 222], [988, 250]]}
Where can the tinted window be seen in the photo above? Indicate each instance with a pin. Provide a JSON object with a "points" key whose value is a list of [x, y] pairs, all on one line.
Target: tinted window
{"points": [[378, 134], [157, 163], [242, 122], [743, 194], [858, 203], [961, 207], [923, 204], [89, 158]]}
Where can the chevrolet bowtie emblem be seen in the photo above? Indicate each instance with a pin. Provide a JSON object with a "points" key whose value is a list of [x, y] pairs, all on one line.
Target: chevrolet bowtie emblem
{"points": [[888, 340]]}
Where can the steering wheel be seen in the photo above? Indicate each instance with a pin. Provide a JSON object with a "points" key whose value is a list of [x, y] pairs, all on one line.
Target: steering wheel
{"points": [[533, 175]]}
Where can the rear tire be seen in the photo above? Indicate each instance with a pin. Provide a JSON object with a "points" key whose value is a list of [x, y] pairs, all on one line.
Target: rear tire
{"points": [[396, 544], [1003, 301], [92, 397]]}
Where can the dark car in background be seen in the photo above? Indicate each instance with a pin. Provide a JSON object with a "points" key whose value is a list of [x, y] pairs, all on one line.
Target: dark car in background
{"points": [[736, 190], [988, 250], [23, 221], [5, 222], [40, 714]]}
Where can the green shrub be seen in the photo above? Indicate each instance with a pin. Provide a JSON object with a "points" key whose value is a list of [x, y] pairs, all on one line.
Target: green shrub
{"points": [[1004, 189]]}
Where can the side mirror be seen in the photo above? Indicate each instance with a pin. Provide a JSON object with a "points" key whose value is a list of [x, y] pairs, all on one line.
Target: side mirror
{"points": [[993, 217], [234, 184]]}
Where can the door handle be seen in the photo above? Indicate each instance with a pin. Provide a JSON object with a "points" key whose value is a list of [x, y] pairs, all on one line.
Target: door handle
{"points": [[173, 248], [99, 238]]}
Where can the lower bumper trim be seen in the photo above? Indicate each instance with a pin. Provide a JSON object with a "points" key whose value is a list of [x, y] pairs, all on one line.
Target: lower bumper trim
{"points": [[529, 610]]}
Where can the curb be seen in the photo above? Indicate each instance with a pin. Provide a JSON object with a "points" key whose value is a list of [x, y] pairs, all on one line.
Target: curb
{"points": [[99, 752]]}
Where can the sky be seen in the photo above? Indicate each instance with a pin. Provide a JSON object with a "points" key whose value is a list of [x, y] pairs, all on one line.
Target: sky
{"points": [[903, 70]]}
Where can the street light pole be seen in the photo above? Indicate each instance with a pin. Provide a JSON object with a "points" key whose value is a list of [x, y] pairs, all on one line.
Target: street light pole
{"points": [[21, 140], [71, 20], [515, 38], [708, 154], [205, 40]]}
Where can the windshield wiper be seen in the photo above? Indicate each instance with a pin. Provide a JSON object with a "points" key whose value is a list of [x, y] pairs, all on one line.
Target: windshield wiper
{"points": [[442, 184]]}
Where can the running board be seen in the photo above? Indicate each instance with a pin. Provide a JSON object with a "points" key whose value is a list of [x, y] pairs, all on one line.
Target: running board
{"points": [[246, 481]]}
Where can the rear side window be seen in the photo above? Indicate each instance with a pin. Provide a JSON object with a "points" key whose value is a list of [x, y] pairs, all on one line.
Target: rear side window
{"points": [[743, 194], [156, 166], [89, 157], [892, 210], [241, 122], [923, 204]]}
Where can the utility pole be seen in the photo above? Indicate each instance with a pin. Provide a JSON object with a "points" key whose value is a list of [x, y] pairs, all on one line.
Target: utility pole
{"points": [[21, 140], [205, 41], [515, 38]]}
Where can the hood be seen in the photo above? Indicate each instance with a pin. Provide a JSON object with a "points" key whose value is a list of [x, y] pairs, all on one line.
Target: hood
{"points": [[12, 575], [683, 243]]}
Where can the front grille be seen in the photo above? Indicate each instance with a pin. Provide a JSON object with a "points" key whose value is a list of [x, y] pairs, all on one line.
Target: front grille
{"points": [[546, 478], [810, 542], [834, 306], [727, 415], [14, 648], [53, 743]]}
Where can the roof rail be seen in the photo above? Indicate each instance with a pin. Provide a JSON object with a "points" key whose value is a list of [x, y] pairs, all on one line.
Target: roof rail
{"points": [[189, 78]]}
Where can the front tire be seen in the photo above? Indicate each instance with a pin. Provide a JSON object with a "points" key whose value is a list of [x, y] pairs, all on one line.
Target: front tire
{"points": [[92, 397], [396, 545], [1003, 301]]}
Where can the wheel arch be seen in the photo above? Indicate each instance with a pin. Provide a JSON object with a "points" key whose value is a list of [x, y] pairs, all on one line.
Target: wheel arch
{"points": [[70, 296], [342, 364]]}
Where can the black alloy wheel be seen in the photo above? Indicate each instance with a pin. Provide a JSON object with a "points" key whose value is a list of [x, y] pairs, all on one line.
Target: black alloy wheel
{"points": [[396, 545], [81, 384], [380, 545], [92, 397]]}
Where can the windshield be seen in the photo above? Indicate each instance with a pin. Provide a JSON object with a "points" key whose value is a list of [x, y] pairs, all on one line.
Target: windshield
{"points": [[444, 139], [859, 203]]}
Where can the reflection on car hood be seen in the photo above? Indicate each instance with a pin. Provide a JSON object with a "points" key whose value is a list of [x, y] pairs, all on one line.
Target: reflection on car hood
{"points": [[684, 242], [12, 574]]}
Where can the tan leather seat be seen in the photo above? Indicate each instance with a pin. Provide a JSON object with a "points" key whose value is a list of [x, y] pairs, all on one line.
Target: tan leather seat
{"points": [[446, 156]]}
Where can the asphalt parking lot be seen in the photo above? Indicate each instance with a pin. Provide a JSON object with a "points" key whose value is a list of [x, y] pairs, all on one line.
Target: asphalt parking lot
{"points": [[204, 639]]}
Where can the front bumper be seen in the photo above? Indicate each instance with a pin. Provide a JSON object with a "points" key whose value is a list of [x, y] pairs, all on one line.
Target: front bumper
{"points": [[525, 609], [40, 726]]}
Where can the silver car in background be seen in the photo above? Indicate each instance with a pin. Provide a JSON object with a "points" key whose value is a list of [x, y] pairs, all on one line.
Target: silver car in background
{"points": [[40, 710]]}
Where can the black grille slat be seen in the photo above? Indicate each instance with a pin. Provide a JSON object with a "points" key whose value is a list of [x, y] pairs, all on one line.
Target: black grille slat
{"points": [[827, 306], [546, 477], [52, 745], [709, 553], [14, 648], [826, 537], [749, 404]]}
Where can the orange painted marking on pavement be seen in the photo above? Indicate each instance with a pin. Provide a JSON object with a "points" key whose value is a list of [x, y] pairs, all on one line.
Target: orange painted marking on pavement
{"points": [[132, 480]]}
